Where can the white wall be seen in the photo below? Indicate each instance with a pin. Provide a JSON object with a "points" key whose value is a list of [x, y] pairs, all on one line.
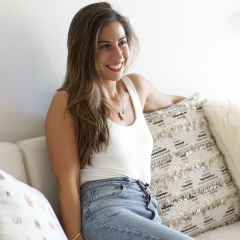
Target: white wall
{"points": [[186, 46]]}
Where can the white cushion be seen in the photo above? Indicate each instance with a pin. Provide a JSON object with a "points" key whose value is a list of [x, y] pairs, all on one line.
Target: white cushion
{"points": [[25, 213], [39, 169], [224, 122], [11, 161]]}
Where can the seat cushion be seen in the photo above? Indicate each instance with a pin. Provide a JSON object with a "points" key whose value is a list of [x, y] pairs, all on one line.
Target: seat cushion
{"points": [[228, 232]]}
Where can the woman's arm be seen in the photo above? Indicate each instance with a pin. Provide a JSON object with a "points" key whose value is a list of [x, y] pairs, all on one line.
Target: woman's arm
{"points": [[62, 146], [151, 98]]}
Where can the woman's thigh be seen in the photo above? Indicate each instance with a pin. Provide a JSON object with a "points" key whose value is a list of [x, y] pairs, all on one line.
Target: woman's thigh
{"points": [[130, 226], [118, 210]]}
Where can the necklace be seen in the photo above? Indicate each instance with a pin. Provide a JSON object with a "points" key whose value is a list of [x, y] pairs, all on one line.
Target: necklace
{"points": [[120, 114]]}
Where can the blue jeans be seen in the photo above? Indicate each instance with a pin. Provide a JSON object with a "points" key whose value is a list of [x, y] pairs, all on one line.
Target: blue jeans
{"points": [[122, 208]]}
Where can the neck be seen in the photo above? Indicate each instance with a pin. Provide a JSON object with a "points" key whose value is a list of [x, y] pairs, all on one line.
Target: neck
{"points": [[110, 95], [110, 90]]}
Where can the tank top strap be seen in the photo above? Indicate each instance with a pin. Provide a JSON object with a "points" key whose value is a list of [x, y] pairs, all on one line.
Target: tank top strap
{"points": [[133, 93]]}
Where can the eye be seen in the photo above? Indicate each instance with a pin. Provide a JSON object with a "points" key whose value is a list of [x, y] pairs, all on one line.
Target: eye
{"points": [[105, 46], [122, 43]]}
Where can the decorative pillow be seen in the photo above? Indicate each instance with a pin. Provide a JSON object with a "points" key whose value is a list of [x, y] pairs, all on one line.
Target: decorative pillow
{"points": [[194, 189], [224, 122], [25, 213]]}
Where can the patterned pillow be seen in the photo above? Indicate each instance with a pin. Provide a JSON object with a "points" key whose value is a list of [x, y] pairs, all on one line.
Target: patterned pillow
{"points": [[25, 213], [194, 189]]}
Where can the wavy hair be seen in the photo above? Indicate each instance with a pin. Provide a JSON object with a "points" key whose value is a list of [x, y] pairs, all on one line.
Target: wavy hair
{"points": [[84, 97]]}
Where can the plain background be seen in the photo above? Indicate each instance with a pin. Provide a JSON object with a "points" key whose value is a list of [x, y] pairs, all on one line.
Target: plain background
{"points": [[187, 46]]}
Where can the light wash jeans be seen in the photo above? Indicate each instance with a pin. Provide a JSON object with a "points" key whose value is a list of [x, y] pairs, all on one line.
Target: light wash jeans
{"points": [[122, 209]]}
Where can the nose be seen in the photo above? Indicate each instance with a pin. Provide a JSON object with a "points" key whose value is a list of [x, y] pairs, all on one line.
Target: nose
{"points": [[117, 53]]}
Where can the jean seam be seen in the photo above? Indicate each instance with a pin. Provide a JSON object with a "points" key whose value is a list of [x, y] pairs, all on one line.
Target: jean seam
{"points": [[99, 223], [84, 235], [106, 187]]}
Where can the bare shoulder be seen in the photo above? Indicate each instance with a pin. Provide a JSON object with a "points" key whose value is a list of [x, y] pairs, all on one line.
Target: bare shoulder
{"points": [[151, 98], [57, 110], [141, 85], [61, 94], [138, 80], [58, 104], [60, 99]]}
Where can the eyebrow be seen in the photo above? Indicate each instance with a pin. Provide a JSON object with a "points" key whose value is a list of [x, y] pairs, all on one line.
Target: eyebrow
{"points": [[109, 41]]}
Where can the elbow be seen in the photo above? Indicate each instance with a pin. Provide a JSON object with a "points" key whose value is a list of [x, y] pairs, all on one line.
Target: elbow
{"points": [[67, 185], [177, 99], [67, 189]]}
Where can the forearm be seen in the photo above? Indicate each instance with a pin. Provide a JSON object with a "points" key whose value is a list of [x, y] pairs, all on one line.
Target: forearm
{"points": [[70, 211]]}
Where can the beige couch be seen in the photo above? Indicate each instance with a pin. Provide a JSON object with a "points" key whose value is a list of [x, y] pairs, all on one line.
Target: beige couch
{"points": [[29, 162]]}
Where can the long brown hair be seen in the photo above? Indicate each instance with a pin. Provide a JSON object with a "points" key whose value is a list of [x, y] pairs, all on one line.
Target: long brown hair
{"points": [[84, 96]]}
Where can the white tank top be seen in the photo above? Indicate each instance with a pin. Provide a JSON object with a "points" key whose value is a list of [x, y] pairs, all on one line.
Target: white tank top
{"points": [[129, 151]]}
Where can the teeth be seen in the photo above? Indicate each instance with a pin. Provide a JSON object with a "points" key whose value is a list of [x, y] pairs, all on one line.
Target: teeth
{"points": [[115, 66]]}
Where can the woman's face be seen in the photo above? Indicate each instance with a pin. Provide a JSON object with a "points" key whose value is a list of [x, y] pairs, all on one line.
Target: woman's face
{"points": [[113, 51]]}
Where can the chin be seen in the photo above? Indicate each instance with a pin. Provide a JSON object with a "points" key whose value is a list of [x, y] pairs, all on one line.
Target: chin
{"points": [[113, 77]]}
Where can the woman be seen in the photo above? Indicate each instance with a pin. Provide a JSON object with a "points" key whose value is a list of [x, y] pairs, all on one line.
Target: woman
{"points": [[99, 143]]}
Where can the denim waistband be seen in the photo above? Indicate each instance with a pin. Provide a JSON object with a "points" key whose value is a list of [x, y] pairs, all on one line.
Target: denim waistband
{"points": [[97, 183]]}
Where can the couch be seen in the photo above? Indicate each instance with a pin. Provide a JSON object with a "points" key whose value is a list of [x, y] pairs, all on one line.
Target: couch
{"points": [[32, 166]]}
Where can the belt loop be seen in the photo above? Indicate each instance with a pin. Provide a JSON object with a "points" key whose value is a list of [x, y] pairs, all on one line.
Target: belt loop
{"points": [[154, 189], [129, 183]]}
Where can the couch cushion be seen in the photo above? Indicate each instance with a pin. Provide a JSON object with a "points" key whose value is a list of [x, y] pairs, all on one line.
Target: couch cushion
{"points": [[11, 161], [194, 189], [25, 213], [230, 232], [39, 169]]}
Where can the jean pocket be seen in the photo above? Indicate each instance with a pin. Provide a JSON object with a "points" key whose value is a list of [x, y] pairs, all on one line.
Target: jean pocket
{"points": [[107, 192]]}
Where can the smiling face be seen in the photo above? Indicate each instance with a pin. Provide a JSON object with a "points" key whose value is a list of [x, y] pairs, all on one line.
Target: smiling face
{"points": [[113, 51]]}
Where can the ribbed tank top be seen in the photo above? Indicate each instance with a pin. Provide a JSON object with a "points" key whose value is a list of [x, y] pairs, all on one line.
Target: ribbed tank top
{"points": [[129, 151]]}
